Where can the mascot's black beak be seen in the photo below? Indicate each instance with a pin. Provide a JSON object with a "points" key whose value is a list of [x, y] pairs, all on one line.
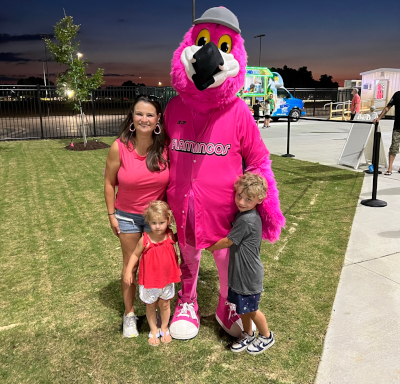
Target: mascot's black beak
{"points": [[208, 59]]}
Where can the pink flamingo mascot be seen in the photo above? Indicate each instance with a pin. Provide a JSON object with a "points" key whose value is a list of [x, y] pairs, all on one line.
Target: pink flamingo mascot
{"points": [[212, 135]]}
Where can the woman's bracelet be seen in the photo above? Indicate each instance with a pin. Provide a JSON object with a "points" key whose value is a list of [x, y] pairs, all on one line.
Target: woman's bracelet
{"points": [[111, 214]]}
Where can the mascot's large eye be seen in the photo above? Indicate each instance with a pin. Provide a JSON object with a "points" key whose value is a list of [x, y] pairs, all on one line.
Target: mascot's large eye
{"points": [[203, 37], [225, 43]]}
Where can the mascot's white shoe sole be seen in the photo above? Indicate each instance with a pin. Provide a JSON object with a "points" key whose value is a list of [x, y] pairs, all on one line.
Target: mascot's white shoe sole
{"points": [[183, 330], [235, 330], [185, 323]]}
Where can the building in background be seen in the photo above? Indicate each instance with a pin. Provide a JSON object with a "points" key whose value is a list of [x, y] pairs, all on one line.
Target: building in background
{"points": [[352, 84], [379, 85]]}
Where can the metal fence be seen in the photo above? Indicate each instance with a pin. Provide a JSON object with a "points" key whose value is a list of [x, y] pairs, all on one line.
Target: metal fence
{"points": [[37, 112], [316, 99]]}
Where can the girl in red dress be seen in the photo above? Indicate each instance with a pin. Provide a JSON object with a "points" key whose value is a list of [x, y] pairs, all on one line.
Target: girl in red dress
{"points": [[158, 269]]}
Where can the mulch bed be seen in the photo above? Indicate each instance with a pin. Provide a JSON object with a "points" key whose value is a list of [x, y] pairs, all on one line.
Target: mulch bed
{"points": [[90, 146]]}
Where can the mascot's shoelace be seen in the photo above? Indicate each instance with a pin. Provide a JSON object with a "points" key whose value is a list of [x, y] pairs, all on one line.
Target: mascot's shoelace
{"points": [[232, 309], [187, 307]]}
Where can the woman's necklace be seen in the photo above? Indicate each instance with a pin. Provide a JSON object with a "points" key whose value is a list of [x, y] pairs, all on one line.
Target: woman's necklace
{"points": [[139, 152]]}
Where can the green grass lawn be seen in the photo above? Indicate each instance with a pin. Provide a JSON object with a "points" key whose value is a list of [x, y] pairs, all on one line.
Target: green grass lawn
{"points": [[60, 300]]}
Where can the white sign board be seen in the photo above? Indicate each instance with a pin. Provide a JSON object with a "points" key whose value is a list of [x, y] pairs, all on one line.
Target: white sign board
{"points": [[360, 138]]}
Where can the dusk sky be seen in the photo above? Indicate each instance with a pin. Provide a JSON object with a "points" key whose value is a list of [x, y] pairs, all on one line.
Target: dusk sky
{"points": [[135, 40]]}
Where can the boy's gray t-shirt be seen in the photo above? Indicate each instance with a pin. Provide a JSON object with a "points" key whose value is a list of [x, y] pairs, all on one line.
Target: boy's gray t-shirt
{"points": [[246, 271]]}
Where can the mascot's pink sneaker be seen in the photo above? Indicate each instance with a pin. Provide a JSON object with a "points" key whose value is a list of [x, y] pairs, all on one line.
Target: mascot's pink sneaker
{"points": [[185, 323], [228, 319]]}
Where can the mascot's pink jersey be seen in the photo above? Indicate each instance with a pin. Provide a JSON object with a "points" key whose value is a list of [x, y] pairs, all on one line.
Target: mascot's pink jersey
{"points": [[209, 164]]}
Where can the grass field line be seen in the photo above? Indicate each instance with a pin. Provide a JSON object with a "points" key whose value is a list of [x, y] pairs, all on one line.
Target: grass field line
{"points": [[5, 328]]}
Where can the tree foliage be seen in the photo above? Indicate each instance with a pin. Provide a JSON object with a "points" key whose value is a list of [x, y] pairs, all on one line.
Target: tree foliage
{"points": [[64, 52], [303, 78], [129, 83], [33, 81]]}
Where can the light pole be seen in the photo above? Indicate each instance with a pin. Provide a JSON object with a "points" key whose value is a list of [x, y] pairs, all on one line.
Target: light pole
{"points": [[193, 10], [259, 57], [43, 36]]}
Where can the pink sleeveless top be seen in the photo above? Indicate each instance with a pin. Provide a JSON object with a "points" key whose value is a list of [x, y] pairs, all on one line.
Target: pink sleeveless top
{"points": [[137, 186]]}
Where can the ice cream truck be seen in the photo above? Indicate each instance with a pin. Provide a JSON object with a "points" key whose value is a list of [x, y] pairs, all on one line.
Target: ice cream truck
{"points": [[260, 82]]}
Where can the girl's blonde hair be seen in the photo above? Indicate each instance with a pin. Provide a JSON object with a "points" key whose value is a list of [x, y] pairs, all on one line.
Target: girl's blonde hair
{"points": [[252, 185], [158, 208]]}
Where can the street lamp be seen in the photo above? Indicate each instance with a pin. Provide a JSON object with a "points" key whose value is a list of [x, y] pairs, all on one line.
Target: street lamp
{"points": [[259, 57], [159, 83], [43, 36], [79, 55]]}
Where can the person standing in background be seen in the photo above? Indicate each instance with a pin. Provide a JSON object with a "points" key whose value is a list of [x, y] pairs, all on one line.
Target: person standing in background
{"points": [[256, 109], [394, 147], [355, 104], [267, 114], [271, 103]]}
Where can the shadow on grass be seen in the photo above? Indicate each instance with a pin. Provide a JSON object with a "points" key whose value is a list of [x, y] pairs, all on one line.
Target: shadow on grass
{"points": [[111, 297], [211, 323]]}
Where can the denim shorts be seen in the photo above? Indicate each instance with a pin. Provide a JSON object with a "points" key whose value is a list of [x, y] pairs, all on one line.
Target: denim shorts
{"points": [[131, 222]]}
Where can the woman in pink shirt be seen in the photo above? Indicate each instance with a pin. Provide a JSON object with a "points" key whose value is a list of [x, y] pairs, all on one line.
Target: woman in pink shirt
{"points": [[138, 164]]}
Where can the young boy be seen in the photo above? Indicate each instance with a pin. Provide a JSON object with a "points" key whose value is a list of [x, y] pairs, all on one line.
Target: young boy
{"points": [[245, 271]]}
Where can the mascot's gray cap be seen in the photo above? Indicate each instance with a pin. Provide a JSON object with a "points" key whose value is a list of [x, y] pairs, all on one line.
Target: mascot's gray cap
{"points": [[219, 15]]}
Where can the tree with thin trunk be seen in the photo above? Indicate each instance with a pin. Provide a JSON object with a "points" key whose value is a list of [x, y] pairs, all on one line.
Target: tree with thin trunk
{"points": [[73, 84]]}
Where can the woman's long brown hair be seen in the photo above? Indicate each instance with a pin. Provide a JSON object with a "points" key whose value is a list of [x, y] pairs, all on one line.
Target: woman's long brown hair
{"points": [[155, 160]]}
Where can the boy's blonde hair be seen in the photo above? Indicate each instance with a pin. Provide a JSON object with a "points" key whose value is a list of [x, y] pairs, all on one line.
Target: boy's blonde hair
{"points": [[158, 208], [252, 185]]}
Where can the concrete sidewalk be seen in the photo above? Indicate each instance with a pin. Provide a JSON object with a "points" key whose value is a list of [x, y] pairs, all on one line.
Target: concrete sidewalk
{"points": [[362, 343]]}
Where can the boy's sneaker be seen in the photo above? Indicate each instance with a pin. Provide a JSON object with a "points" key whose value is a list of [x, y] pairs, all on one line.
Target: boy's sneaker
{"points": [[261, 344], [130, 326], [243, 342]]}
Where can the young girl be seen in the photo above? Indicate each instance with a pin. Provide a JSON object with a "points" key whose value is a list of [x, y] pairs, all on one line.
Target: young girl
{"points": [[158, 269]]}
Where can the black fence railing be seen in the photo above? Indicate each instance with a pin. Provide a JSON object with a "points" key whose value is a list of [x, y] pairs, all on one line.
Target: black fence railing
{"points": [[38, 112], [316, 99]]}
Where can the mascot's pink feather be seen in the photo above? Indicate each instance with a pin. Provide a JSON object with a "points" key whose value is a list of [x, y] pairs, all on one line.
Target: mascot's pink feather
{"points": [[269, 210]]}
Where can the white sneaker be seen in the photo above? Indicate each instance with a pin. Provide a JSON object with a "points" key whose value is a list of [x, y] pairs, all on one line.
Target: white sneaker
{"points": [[261, 344], [243, 342], [130, 326]]}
